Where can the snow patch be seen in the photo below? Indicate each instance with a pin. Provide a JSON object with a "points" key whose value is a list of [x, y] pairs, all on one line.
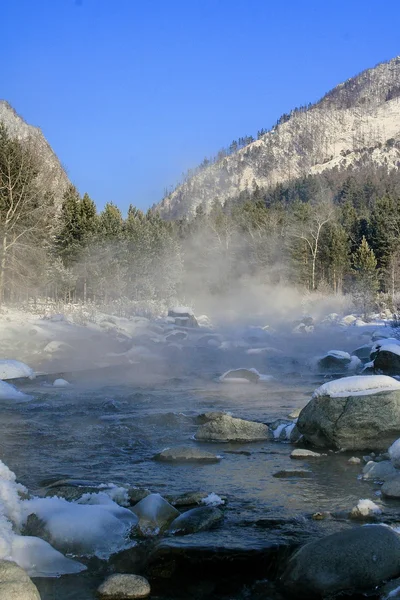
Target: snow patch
{"points": [[213, 500], [10, 392], [357, 385], [367, 507], [13, 369]]}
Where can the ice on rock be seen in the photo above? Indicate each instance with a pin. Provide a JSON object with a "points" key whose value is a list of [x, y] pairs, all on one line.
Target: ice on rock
{"points": [[213, 500], [243, 375], [39, 559], [365, 508], [60, 383], [357, 385], [154, 514], [393, 348], [13, 369], [9, 392], [34, 555], [394, 453], [94, 525]]}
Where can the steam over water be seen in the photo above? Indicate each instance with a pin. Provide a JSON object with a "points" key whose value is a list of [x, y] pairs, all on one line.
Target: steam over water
{"points": [[109, 424]]}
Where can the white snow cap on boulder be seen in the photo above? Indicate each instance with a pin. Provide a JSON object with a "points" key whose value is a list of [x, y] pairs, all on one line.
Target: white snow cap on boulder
{"points": [[10, 392], [13, 369], [358, 385]]}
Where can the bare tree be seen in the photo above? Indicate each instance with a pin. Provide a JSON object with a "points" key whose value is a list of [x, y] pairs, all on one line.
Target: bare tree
{"points": [[26, 205], [307, 225]]}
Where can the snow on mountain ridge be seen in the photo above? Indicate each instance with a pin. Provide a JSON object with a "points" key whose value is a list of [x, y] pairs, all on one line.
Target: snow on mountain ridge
{"points": [[357, 120], [52, 169]]}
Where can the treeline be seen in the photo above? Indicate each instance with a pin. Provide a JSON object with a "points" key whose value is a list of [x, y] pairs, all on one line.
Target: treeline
{"points": [[336, 232]]}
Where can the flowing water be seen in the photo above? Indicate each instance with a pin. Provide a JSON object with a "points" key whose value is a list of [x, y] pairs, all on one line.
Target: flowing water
{"points": [[109, 424]]}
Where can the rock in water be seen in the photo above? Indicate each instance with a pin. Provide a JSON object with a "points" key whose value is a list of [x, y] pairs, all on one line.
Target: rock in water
{"points": [[379, 471], [353, 413], [358, 559], [197, 519], [124, 587], [183, 316], [301, 453], [186, 454], [15, 583], [387, 359], [391, 487], [229, 429], [240, 376], [335, 360], [154, 514]]}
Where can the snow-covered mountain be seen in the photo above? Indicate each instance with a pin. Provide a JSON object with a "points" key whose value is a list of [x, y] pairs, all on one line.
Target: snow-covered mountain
{"points": [[356, 123], [51, 167]]}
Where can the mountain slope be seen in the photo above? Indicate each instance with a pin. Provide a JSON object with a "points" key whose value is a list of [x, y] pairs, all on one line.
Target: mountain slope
{"points": [[52, 169], [358, 122]]}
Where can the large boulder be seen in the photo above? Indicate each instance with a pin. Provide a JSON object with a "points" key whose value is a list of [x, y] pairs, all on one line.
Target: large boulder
{"points": [[15, 583], [183, 316], [353, 413], [357, 559], [387, 360], [228, 429]]}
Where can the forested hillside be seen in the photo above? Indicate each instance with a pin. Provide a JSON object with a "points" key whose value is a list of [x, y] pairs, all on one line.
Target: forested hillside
{"points": [[334, 227]]}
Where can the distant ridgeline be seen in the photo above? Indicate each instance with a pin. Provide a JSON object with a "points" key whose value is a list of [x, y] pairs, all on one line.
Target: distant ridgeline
{"points": [[314, 203], [358, 122]]}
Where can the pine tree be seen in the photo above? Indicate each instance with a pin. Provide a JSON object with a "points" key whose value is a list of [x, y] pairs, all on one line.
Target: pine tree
{"points": [[366, 274]]}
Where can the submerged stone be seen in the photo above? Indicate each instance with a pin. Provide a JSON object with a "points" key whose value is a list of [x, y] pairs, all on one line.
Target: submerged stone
{"points": [[186, 454]]}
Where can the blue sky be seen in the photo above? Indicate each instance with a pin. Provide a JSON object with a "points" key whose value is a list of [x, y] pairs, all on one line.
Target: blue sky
{"points": [[131, 93]]}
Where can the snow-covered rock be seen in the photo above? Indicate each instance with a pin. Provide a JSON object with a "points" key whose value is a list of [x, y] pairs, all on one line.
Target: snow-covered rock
{"points": [[93, 525], [10, 392], [353, 413], [61, 383], [334, 360], [365, 508], [240, 376], [14, 369]]}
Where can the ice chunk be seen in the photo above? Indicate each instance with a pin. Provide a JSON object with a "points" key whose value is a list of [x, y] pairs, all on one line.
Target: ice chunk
{"points": [[95, 525], [357, 385], [40, 559], [13, 369], [9, 392]]}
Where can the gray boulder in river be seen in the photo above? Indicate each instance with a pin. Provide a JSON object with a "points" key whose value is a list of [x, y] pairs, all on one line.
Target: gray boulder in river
{"points": [[186, 454], [15, 584], [196, 519], [387, 361], [365, 422], [228, 429], [357, 559]]}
